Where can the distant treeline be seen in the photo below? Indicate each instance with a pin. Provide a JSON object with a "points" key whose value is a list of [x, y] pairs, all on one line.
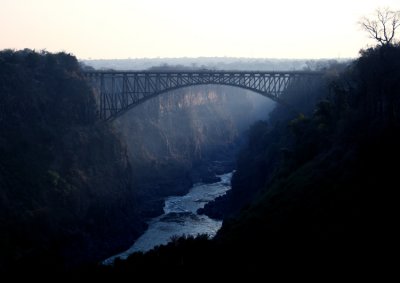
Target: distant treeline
{"points": [[212, 63]]}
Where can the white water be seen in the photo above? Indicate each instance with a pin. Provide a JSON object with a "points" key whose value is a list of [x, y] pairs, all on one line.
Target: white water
{"points": [[180, 218]]}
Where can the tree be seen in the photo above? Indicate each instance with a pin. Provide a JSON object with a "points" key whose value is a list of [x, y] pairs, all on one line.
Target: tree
{"points": [[383, 26]]}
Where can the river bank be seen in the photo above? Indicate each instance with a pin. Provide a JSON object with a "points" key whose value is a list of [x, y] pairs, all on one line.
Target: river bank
{"points": [[180, 218]]}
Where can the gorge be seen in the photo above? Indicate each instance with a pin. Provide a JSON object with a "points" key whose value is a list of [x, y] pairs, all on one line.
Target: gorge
{"points": [[318, 182]]}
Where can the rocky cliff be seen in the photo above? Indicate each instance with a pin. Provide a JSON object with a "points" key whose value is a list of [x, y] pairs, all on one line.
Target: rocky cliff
{"points": [[186, 136]]}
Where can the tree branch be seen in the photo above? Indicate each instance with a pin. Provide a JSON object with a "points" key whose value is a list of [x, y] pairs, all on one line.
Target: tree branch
{"points": [[384, 28]]}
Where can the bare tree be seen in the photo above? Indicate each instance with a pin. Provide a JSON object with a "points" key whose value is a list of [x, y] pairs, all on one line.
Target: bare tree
{"points": [[383, 26]]}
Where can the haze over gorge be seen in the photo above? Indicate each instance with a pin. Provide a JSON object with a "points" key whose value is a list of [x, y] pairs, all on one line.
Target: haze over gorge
{"points": [[196, 156]]}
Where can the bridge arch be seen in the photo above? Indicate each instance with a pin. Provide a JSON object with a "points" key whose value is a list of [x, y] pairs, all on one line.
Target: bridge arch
{"points": [[117, 92]]}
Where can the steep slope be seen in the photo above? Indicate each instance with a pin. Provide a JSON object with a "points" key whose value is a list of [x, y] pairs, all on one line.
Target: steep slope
{"points": [[65, 182], [331, 201]]}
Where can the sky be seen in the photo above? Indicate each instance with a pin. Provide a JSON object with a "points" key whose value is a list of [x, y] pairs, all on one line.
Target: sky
{"points": [[118, 29]]}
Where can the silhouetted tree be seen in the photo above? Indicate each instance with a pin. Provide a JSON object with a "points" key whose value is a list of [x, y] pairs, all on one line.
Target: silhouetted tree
{"points": [[383, 26]]}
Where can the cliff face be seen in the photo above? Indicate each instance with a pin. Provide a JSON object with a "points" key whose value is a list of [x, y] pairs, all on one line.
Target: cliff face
{"points": [[174, 139], [66, 192]]}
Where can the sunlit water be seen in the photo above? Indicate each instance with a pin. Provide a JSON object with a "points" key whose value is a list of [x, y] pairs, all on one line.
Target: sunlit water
{"points": [[180, 218]]}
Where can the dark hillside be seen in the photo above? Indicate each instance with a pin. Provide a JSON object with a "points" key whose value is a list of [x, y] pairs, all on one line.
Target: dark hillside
{"points": [[65, 187]]}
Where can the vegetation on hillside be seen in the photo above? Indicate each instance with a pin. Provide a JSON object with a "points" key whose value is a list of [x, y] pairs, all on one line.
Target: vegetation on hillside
{"points": [[65, 186]]}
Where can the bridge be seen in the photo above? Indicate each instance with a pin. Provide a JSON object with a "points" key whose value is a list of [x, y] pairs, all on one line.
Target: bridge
{"points": [[118, 91]]}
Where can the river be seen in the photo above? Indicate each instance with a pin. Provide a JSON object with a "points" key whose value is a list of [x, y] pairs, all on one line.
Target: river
{"points": [[180, 218]]}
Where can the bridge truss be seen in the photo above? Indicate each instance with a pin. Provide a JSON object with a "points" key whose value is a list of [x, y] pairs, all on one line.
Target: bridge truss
{"points": [[118, 91]]}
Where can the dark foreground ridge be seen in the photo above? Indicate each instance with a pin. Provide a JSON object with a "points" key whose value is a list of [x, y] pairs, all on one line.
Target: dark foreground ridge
{"points": [[65, 184]]}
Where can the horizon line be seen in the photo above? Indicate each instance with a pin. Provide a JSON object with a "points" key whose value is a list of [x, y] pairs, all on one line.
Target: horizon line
{"points": [[216, 57]]}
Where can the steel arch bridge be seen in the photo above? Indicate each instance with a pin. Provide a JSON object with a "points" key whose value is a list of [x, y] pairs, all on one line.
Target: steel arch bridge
{"points": [[118, 91]]}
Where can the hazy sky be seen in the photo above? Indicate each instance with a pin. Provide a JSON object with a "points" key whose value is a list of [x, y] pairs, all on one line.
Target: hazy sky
{"points": [[188, 28]]}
